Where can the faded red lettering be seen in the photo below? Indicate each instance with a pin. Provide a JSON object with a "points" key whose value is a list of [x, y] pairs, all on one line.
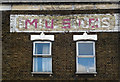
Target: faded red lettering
{"points": [[64, 23], [46, 24], [31, 23], [90, 21]]}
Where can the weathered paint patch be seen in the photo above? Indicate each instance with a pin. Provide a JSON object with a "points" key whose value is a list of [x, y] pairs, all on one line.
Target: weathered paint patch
{"points": [[62, 23]]}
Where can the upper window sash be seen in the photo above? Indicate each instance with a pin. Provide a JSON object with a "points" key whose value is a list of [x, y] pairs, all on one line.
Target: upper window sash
{"points": [[83, 55], [34, 48]]}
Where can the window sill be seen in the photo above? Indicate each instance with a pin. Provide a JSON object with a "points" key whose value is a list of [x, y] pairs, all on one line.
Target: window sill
{"points": [[41, 72], [86, 73]]}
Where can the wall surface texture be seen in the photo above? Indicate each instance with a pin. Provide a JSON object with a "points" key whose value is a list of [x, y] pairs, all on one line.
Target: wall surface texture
{"points": [[17, 55]]}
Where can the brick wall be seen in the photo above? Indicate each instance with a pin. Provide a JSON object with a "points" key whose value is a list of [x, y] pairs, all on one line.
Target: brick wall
{"points": [[17, 55]]}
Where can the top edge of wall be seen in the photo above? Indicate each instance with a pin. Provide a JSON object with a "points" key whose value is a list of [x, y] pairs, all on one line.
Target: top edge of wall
{"points": [[16, 1]]}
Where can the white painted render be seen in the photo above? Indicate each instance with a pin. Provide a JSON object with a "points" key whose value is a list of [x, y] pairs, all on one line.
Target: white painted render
{"points": [[13, 25]]}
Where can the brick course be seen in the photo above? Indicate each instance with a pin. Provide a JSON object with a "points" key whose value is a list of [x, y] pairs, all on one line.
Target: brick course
{"points": [[64, 7]]}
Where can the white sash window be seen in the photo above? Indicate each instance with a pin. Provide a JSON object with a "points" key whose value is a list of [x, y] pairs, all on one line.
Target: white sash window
{"points": [[85, 57], [42, 59]]}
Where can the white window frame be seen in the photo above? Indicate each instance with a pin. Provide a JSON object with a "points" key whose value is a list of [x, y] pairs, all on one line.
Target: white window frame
{"points": [[85, 56], [42, 56]]}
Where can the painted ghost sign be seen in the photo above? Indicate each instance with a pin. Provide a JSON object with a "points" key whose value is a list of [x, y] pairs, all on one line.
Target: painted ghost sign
{"points": [[63, 23]]}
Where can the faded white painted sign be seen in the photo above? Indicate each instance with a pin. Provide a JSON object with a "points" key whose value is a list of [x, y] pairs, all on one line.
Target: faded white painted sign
{"points": [[63, 23]]}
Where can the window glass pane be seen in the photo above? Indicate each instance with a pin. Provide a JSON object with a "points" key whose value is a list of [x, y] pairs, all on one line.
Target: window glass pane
{"points": [[37, 64], [85, 48], [42, 48], [86, 65], [42, 64]]}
